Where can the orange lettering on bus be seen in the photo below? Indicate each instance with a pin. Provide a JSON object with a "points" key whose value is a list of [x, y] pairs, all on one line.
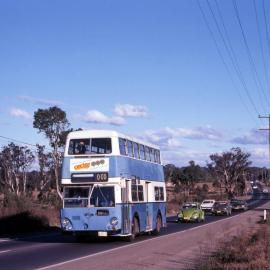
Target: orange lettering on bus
{"points": [[82, 166]]}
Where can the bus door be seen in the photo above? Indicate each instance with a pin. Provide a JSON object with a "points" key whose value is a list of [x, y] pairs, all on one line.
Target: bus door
{"points": [[126, 208], [149, 208]]}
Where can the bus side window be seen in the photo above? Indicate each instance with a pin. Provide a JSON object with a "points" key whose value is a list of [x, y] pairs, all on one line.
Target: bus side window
{"points": [[156, 194], [158, 156], [155, 155], [130, 148], [147, 153], [134, 193], [136, 150], [140, 193], [137, 193], [122, 146], [142, 152], [152, 156], [159, 194]]}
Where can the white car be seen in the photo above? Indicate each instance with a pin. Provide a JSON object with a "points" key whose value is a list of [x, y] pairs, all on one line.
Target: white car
{"points": [[207, 205]]}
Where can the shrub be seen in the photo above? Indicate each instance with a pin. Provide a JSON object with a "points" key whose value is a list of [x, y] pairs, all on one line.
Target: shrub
{"points": [[21, 223]]}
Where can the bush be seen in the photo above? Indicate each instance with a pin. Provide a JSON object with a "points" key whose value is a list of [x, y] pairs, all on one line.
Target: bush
{"points": [[21, 223]]}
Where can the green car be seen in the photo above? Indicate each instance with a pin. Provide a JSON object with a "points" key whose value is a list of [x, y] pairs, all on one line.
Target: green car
{"points": [[191, 212]]}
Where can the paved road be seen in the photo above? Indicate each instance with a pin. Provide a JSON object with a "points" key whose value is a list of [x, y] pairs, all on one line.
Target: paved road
{"points": [[44, 250]]}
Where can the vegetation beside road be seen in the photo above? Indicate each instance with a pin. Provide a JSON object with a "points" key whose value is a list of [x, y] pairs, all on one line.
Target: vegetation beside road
{"points": [[30, 174], [249, 251]]}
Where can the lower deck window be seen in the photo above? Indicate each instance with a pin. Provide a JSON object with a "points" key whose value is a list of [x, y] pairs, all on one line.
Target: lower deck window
{"points": [[101, 196], [137, 193], [76, 197], [159, 194]]}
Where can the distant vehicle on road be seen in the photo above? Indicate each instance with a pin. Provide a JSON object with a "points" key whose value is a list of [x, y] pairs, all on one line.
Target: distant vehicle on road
{"points": [[113, 185], [239, 205], [255, 187], [265, 190], [191, 212], [222, 208], [207, 205]]}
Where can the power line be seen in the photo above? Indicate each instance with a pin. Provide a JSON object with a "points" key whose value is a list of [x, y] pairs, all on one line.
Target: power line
{"points": [[261, 45], [250, 58], [22, 142], [230, 52], [226, 66], [266, 28]]}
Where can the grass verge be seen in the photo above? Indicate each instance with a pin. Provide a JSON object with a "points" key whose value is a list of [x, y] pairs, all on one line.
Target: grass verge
{"points": [[249, 251]]}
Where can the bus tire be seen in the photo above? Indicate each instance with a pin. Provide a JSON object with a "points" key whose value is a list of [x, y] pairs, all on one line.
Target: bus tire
{"points": [[135, 230], [157, 230]]}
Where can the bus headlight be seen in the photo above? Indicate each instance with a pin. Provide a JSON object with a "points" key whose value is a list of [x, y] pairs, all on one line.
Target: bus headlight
{"points": [[66, 224], [114, 221]]}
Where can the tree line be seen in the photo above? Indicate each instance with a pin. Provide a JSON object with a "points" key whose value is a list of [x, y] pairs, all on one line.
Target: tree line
{"points": [[228, 170]]}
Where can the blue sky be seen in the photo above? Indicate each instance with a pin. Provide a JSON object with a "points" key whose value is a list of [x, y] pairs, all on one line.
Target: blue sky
{"points": [[145, 68]]}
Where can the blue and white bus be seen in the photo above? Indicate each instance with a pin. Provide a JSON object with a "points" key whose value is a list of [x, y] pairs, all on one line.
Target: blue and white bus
{"points": [[113, 185]]}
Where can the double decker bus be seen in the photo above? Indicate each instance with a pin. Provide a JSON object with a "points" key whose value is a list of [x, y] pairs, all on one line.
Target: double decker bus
{"points": [[113, 185]]}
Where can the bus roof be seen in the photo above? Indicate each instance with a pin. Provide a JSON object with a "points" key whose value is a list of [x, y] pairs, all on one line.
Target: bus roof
{"points": [[97, 133]]}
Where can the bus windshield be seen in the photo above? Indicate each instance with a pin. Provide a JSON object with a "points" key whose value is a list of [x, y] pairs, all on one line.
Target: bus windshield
{"points": [[101, 196], [90, 146]]}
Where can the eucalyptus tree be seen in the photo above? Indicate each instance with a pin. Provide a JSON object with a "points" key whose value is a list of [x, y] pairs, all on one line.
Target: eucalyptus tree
{"points": [[229, 168], [53, 123]]}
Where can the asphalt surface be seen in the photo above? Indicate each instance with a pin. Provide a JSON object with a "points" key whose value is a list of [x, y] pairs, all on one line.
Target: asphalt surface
{"points": [[40, 251]]}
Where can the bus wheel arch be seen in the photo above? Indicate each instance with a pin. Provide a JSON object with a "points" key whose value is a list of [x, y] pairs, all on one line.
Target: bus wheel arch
{"points": [[157, 230], [135, 228], [136, 223]]}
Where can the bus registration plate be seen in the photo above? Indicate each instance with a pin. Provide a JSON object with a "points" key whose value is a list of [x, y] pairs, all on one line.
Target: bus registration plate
{"points": [[102, 234]]}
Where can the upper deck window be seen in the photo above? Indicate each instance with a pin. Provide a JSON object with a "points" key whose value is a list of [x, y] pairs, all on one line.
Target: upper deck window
{"points": [[136, 150], [142, 153], [122, 146], [147, 153], [90, 146], [101, 146], [157, 156], [130, 148], [152, 157]]}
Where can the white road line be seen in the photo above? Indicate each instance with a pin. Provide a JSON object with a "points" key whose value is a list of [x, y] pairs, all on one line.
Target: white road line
{"points": [[5, 251], [4, 240], [134, 244], [29, 237]]}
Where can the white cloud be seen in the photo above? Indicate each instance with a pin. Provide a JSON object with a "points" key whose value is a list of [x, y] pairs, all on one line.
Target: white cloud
{"points": [[16, 112], [128, 110], [260, 156], [182, 158], [98, 117], [171, 138], [254, 137], [41, 101]]}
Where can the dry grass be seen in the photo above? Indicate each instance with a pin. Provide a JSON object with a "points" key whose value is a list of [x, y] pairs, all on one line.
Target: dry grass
{"points": [[20, 214], [245, 252]]}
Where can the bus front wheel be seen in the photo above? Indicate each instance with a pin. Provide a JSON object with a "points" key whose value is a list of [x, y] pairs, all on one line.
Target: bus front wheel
{"points": [[135, 230], [158, 226]]}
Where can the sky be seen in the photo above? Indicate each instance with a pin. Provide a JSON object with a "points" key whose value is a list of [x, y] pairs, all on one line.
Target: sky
{"points": [[190, 76]]}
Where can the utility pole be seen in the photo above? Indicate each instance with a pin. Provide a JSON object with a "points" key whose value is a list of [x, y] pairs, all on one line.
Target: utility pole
{"points": [[268, 129]]}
